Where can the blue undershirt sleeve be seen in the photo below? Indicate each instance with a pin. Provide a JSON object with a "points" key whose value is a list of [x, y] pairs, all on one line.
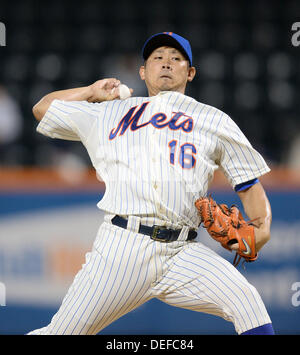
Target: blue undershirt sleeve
{"points": [[245, 185]]}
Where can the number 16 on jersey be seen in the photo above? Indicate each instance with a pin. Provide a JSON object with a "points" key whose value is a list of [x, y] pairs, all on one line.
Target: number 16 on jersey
{"points": [[185, 154]]}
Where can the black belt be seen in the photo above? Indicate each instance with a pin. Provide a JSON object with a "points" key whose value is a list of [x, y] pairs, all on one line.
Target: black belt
{"points": [[158, 233]]}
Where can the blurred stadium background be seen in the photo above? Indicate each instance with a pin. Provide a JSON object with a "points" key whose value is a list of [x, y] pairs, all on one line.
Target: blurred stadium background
{"points": [[247, 66]]}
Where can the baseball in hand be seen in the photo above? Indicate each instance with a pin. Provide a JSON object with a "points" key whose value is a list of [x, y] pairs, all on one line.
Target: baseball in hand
{"points": [[124, 92]]}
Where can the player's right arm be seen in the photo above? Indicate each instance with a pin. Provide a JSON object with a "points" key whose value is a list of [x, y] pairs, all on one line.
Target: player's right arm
{"points": [[101, 90]]}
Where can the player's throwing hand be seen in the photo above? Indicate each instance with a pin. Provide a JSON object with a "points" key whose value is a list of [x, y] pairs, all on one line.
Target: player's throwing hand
{"points": [[105, 90]]}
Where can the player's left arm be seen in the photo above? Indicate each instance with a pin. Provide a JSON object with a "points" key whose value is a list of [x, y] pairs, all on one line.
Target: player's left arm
{"points": [[257, 207]]}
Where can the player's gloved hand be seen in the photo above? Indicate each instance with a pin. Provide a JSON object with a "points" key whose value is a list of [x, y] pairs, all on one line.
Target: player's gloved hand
{"points": [[105, 90], [228, 227]]}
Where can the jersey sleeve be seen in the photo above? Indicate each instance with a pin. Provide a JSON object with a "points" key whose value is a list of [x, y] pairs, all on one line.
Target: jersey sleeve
{"points": [[239, 161], [69, 120]]}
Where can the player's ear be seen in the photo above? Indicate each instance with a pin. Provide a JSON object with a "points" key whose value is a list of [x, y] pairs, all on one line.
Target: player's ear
{"points": [[191, 73], [142, 72]]}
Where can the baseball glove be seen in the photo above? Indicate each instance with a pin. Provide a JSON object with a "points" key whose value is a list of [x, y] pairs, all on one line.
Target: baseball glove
{"points": [[228, 226]]}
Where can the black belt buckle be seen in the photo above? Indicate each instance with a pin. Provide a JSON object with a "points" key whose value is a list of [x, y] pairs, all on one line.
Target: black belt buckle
{"points": [[155, 232]]}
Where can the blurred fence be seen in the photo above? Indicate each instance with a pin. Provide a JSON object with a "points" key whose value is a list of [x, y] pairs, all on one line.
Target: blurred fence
{"points": [[48, 221]]}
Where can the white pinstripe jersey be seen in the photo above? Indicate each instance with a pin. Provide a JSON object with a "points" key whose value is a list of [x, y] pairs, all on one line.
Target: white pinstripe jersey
{"points": [[156, 154]]}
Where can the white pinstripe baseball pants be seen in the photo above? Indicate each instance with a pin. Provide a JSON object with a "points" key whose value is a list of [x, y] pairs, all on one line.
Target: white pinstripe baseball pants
{"points": [[126, 269]]}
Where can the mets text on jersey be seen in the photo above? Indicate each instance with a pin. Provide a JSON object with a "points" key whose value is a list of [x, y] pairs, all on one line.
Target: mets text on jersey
{"points": [[158, 120]]}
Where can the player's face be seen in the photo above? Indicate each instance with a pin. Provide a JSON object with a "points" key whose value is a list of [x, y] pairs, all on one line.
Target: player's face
{"points": [[166, 69]]}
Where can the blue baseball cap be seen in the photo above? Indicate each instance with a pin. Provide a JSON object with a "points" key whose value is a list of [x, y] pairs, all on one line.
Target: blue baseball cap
{"points": [[170, 39]]}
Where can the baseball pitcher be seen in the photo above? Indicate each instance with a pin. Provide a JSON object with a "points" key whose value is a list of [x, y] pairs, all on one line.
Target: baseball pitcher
{"points": [[157, 156]]}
